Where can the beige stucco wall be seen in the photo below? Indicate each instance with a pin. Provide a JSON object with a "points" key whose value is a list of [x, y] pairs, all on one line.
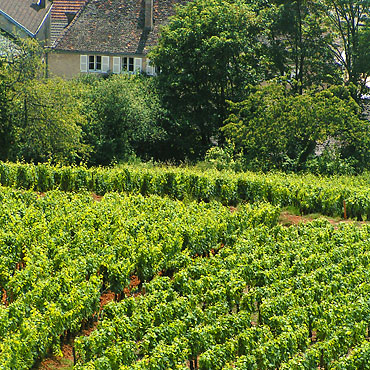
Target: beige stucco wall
{"points": [[43, 35], [67, 65]]}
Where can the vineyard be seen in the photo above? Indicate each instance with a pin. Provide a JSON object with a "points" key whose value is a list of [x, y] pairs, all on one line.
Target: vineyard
{"points": [[308, 193], [220, 284]]}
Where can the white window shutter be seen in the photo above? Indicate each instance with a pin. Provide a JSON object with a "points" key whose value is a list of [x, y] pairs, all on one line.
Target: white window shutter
{"points": [[150, 69], [83, 63], [116, 64], [105, 64], [138, 63]]}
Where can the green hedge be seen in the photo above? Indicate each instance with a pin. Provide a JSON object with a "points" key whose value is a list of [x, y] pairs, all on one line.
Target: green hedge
{"points": [[308, 193]]}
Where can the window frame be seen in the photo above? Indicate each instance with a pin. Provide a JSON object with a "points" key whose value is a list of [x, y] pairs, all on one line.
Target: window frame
{"points": [[93, 61], [127, 63]]}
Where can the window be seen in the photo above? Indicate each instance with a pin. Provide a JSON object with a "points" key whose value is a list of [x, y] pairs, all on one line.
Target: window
{"points": [[132, 65], [128, 64], [94, 63], [150, 69], [116, 64]]}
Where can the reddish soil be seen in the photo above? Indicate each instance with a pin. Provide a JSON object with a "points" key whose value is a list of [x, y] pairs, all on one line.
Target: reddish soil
{"points": [[54, 362], [106, 298], [66, 361], [97, 197], [314, 336], [132, 290], [288, 219]]}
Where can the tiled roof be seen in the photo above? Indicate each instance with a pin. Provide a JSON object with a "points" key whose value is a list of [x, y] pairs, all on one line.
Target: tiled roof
{"points": [[59, 19], [116, 27], [61, 7], [25, 12]]}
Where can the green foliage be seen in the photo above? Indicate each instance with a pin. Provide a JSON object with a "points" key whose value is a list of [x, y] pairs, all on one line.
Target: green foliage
{"points": [[58, 252], [207, 54], [23, 61], [308, 193], [220, 289], [330, 162], [125, 118], [299, 43], [276, 128], [19, 63], [224, 158], [289, 298], [348, 21], [46, 121]]}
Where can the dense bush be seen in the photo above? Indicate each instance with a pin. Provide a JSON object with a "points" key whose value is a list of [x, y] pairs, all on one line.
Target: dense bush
{"points": [[125, 117], [282, 131]]}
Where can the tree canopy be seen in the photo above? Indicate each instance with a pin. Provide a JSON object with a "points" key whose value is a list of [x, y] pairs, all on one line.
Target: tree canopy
{"points": [[277, 128], [207, 54]]}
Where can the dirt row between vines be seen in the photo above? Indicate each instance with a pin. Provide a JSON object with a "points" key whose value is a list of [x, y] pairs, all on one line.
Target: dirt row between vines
{"points": [[289, 219], [66, 361]]}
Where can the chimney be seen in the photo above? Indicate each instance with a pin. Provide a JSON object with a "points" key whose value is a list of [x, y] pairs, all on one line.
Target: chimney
{"points": [[148, 14]]}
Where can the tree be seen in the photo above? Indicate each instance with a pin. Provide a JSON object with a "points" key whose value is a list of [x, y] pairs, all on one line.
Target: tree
{"points": [[124, 116], [347, 20], [47, 121], [20, 61], [207, 54], [300, 43], [5, 128], [273, 127]]}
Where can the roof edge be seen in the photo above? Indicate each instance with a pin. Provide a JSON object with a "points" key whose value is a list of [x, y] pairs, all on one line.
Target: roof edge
{"points": [[12, 20], [94, 52], [43, 20]]}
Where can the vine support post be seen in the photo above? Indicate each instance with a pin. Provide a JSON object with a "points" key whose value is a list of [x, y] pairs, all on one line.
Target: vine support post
{"points": [[344, 210]]}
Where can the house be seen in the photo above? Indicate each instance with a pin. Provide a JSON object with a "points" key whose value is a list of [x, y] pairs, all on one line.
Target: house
{"points": [[111, 36], [62, 14], [26, 18]]}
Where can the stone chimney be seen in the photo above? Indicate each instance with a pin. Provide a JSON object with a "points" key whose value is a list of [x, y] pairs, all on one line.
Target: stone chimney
{"points": [[148, 14]]}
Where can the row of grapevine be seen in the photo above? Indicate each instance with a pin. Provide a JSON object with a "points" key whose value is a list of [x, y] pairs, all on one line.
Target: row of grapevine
{"points": [[288, 298], [308, 193], [60, 251]]}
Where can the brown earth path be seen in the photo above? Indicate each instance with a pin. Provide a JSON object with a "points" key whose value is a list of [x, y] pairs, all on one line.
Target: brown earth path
{"points": [[288, 219], [65, 362]]}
